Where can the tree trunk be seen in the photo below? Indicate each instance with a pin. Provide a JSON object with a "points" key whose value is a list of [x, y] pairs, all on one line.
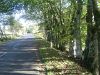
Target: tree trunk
{"points": [[87, 56], [91, 53], [75, 32], [96, 13]]}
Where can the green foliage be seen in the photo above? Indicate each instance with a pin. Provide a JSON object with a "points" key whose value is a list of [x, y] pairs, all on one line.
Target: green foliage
{"points": [[15, 26], [3, 6], [63, 20]]}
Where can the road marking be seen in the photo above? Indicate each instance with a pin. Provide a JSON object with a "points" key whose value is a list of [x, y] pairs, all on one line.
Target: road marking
{"points": [[15, 52], [3, 54]]}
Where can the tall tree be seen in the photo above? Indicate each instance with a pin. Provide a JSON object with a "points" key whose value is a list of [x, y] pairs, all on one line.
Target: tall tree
{"points": [[91, 56], [76, 48], [96, 13]]}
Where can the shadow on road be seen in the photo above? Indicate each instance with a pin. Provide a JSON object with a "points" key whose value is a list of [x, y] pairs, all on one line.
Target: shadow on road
{"points": [[21, 57]]}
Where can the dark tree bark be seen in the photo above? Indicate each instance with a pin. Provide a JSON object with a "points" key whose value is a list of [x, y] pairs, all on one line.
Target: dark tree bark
{"points": [[96, 13], [75, 41], [91, 53]]}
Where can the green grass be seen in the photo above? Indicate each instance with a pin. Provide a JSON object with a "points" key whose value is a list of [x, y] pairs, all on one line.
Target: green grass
{"points": [[4, 40], [57, 64]]}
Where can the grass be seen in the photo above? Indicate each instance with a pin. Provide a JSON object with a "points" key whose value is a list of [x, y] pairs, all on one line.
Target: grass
{"points": [[4, 40], [57, 64]]}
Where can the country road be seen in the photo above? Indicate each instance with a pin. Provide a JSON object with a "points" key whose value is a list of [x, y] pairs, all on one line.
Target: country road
{"points": [[21, 57]]}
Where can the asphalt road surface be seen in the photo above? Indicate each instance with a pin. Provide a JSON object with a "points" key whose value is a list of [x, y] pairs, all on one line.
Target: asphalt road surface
{"points": [[21, 57]]}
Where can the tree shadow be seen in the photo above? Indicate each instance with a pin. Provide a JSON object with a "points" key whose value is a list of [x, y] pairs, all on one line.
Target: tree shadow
{"points": [[21, 57], [58, 63]]}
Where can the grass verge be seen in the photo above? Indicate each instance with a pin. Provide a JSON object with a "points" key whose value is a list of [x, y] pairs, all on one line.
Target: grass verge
{"points": [[4, 40], [57, 64]]}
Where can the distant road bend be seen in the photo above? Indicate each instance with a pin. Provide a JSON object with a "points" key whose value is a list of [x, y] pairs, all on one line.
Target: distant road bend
{"points": [[21, 57]]}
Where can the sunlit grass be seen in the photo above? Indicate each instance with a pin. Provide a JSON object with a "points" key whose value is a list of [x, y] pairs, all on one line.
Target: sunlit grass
{"points": [[8, 38], [56, 64]]}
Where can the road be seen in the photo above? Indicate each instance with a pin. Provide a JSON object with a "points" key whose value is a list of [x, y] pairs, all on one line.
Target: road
{"points": [[21, 57]]}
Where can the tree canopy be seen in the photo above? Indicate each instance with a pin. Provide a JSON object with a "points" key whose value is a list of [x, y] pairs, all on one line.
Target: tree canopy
{"points": [[72, 26]]}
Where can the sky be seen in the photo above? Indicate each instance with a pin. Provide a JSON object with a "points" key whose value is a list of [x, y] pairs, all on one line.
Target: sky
{"points": [[23, 21]]}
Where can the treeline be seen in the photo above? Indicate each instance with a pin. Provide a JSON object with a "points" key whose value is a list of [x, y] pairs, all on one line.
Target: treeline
{"points": [[74, 26], [9, 27]]}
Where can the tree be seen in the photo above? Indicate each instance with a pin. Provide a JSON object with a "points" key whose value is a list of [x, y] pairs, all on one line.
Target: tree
{"points": [[96, 13], [75, 41], [91, 56], [15, 26], [63, 21]]}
